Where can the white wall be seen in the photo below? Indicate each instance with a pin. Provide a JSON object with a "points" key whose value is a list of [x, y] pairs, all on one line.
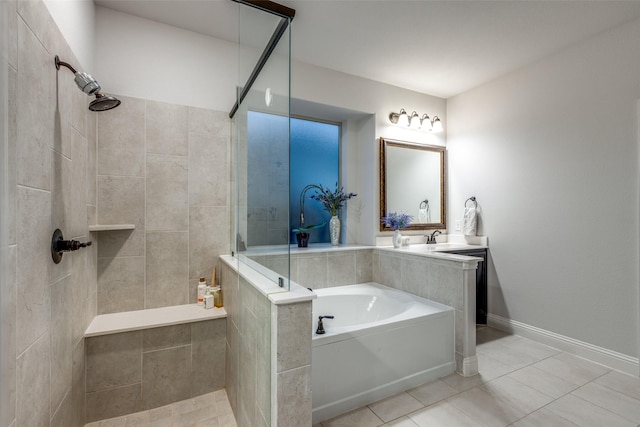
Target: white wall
{"points": [[551, 153], [144, 59], [76, 21]]}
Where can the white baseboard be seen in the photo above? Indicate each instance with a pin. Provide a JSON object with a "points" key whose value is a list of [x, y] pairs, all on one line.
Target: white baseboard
{"points": [[618, 361]]}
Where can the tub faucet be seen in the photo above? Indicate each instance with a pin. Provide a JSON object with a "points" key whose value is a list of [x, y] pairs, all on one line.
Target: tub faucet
{"points": [[431, 239], [320, 329]]}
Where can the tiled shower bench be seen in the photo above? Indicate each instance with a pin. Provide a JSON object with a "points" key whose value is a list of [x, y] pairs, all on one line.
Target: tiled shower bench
{"points": [[144, 359]]}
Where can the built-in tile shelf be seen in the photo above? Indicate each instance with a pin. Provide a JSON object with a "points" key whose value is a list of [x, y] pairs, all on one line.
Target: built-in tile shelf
{"points": [[112, 227]]}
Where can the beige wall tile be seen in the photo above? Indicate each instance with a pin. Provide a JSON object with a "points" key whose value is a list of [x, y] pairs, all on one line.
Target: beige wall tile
{"points": [[209, 121], [294, 335], [12, 136], [341, 269], [294, 397], [167, 128], [114, 402], [37, 17], [12, 32], [165, 337], [63, 415], [78, 388], [209, 179], [33, 368], [166, 376], [61, 340], [208, 238], [79, 108], [35, 110], [121, 200], [312, 271], [114, 360], [167, 269], [92, 159], [121, 139], [364, 266], [34, 266], [247, 380], [167, 193], [208, 350], [120, 284], [8, 337]]}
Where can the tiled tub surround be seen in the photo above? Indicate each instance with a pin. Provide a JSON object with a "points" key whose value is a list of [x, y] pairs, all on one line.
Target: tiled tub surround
{"points": [[165, 169], [441, 277], [147, 367], [445, 278], [268, 370]]}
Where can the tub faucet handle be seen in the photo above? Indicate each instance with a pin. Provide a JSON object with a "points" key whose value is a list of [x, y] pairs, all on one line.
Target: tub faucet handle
{"points": [[320, 329]]}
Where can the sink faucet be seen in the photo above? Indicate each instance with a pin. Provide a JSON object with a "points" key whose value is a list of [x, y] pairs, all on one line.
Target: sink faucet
{"points": [[431, 239]]}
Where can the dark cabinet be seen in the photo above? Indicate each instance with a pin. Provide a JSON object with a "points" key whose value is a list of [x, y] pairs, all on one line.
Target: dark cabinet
{"points": [[481, 283]]}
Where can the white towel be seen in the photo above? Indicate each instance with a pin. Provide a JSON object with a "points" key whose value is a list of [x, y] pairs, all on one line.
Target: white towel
{"points": [[424, 216], [470, 221]]}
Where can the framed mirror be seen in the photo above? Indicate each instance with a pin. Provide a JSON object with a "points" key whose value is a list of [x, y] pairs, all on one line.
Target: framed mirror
{"points": [[413, 181]]}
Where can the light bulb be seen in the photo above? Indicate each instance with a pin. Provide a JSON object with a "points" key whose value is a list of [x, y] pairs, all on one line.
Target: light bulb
{"points": [[437, 124], [426, 122], [403, 118], [414, 121]]}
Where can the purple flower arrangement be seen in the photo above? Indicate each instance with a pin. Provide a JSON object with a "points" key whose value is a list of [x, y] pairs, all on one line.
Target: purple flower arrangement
{"points": [[332, 201], [396, 220]]}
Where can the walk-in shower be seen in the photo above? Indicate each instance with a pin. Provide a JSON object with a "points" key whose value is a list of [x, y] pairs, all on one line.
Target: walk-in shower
{"points": [[90, 86]]}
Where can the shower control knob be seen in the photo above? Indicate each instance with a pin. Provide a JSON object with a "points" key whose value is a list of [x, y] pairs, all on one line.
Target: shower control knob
{"points": [[59, 246]]}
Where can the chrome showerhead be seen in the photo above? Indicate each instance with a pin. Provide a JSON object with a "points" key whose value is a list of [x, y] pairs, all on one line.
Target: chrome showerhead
{"points": [[90, 86]]}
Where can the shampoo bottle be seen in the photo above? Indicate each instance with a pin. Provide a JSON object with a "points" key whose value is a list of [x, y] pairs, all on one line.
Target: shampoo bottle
{"points": [[202, 288]]}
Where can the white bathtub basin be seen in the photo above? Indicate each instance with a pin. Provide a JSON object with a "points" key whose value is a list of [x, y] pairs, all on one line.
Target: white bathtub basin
{"points": [[382, 341]]}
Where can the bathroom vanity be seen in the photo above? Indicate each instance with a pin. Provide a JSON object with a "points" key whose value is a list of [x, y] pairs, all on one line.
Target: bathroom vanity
{"points": [[481, 282]]}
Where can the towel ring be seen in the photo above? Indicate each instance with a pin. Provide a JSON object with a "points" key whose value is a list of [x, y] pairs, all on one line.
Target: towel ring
{"points": [[425, 203], [472, 199]]}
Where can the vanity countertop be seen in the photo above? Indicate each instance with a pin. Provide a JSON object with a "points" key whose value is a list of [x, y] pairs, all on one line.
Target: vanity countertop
{"points": [[445, 245]]}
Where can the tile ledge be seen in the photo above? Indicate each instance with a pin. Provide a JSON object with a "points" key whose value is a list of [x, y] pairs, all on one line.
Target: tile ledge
{"points": [[112, 227], [126, 321]]}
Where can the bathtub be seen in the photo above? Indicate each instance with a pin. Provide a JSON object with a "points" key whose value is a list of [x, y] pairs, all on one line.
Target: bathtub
{"points": [[382, 341]]}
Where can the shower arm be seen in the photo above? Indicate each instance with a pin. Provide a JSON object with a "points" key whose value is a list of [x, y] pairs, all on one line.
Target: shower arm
{"points": [[64, 64]]}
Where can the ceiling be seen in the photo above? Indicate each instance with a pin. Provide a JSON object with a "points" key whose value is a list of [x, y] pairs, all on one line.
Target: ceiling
{"points": [[440, 48]]}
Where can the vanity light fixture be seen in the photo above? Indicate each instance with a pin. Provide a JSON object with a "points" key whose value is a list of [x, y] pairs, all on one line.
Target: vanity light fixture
{"points": [[414, 121]]}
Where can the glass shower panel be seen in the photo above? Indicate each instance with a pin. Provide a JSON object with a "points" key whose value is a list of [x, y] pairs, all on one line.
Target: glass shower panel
{"points": [[262, 146]]}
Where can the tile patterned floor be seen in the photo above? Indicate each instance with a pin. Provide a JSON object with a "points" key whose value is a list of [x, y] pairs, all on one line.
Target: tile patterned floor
{"points": [[208, 410], [522, 384]]}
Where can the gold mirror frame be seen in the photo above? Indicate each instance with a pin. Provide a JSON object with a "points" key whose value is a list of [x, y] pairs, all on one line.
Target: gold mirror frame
{"points": [[384, 143]]}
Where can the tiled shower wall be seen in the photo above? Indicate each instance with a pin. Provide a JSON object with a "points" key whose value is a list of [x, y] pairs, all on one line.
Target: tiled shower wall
{"points": [[52, 151], [164, 168]]}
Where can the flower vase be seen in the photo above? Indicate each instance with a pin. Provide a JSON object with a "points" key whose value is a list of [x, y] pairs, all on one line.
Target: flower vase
{"points": [[334, 229], [397, 239]]}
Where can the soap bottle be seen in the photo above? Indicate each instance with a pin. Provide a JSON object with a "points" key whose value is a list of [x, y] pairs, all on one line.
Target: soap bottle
{"points": [[202, 288], [217, 297]]}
